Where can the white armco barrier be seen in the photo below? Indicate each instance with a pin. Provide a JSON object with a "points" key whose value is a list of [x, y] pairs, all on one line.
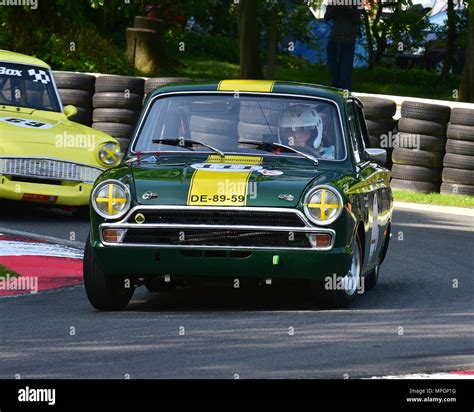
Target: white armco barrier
{"points": [[400, 99]]}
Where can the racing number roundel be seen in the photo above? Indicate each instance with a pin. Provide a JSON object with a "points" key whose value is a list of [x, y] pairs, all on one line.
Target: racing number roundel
{"points": [[29, 124]]}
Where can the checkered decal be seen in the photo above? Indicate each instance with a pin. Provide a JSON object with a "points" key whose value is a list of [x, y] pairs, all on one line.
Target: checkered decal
{"points": [[40, 76]]}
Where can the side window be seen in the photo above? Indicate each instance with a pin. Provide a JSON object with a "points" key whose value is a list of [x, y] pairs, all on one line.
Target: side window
{"points": [[354, 131], [364, 133]]}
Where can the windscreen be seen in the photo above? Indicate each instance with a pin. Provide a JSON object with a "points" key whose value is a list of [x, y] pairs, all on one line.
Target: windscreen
{"points": [[27, 86], [229, 123]]}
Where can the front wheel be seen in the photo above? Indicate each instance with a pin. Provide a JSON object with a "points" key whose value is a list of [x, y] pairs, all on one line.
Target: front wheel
{"points": [[104, 292], [337, 293]]}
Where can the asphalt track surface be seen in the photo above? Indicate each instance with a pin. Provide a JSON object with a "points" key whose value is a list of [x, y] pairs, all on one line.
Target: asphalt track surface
{"points": [[415, 321]]}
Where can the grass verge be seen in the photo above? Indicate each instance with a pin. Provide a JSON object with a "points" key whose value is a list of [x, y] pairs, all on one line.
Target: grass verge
{"points": [[381, 80], [5, 271], [434, 199]]}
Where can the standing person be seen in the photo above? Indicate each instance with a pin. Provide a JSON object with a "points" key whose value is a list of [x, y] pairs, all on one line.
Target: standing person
{"points": [[341, 45]]}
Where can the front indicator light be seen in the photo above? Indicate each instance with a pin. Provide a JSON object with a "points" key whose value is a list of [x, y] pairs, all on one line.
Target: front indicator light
{"points": [[111, 199], [109, 154], [114, 235], [323, 205], [320, 240]]}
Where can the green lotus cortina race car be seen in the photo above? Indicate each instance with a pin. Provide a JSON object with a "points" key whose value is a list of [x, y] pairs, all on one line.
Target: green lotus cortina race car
{"points": [[242, 181]]}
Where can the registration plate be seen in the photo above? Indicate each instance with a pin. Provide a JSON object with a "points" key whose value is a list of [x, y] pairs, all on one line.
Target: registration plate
{"points": [[31, 197]]}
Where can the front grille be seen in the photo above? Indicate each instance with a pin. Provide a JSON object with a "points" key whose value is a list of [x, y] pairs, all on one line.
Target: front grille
{"points": [[36, 180], [220, 217], [48, 169], [213, 237]]}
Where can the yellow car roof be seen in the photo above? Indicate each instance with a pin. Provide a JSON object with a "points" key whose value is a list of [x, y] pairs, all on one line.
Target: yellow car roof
{"points": [[8, 56]]}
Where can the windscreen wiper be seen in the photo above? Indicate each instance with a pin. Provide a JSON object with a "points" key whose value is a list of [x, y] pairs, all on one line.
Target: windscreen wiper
{"points": [[272, 145], [188, 144]]}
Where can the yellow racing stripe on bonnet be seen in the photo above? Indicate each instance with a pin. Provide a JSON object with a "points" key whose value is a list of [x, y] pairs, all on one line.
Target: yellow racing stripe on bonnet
{"points": [[222, 181]]}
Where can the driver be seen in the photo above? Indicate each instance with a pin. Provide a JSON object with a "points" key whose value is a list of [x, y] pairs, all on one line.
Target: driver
{"points": [[303, 128]]}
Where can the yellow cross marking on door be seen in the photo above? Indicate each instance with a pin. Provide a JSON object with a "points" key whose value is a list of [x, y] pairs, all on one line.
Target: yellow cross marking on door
{"points": [[111, 200], [110, 154], [323, 205]]}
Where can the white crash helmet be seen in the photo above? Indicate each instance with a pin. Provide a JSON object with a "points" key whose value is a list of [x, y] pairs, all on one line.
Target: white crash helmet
{"points": [[302, 119]]}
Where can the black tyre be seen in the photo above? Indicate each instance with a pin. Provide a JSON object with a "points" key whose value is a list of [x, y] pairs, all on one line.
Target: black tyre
{"points": [[462, 116], [425, 127], [117, 100], [120, 84], [153, 82], [83, 116], [414, 186], [424, 111], [416, 173], [421, 142], [376, 108], [70, 80], [341, 298], [253, 113], [81, 98], [225, 141], [457, 189], [117, 130], [417, 158], [461, 132], [212, 125], [82, 213], [372, 278], [460, 147], [249, 131], [123, 144], [374, 141], [103, 291], [460, 176], [458, 161], [115, 116], [380, 126]]}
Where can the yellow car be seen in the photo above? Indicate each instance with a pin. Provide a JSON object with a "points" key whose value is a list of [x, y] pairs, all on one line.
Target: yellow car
{"points": [[44, 157]]}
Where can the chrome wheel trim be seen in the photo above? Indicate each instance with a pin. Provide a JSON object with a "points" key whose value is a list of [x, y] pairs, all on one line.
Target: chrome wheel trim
{"points": [[351, 280]]}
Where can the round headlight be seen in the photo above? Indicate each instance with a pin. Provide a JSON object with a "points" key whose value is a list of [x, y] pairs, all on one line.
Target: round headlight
{"points": [[109, 154], [111, 199], [323, 205]]}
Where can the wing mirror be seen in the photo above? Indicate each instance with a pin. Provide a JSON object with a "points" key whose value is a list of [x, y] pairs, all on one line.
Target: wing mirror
{"points": [[70, 110], [378, 156]]}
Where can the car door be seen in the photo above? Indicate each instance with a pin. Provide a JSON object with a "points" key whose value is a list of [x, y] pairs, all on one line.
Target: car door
{"points": [[374, 180]]}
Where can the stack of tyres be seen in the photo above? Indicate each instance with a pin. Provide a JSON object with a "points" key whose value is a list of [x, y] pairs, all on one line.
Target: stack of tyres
{"points": [[117, 102], [418, 157], [211, 122], [458, 171], [380, 123], [153, 82], [257, 122], [76, 89]]}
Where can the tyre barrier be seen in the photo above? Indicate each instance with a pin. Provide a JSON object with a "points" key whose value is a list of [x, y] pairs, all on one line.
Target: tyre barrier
{"points": [[380, 123], [117, 102], [417, 167], [76, 89], [153, 82], [458, 172]]}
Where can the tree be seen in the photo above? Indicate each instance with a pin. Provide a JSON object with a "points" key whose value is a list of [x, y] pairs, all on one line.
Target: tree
{"points": [[249, 40], [466, 89], [450, 42], [390, 24]]}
